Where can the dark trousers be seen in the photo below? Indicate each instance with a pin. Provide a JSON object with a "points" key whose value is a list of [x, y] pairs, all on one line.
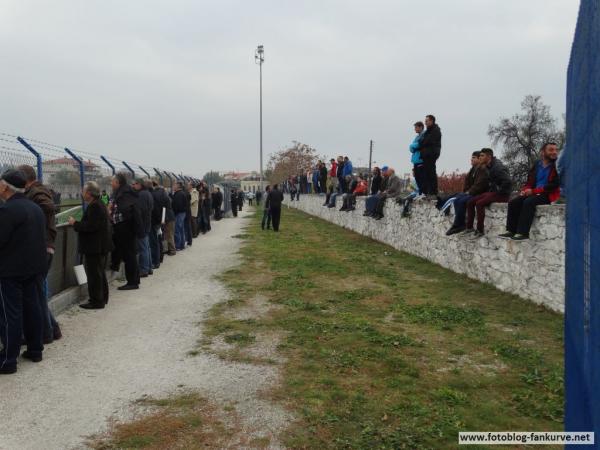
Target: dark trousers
{"points": [[521, 211], [234, 209], [419, 173], [20, 314], [51, 326], [460, 209], [478, 204], [217, 213], [188, 229], [342, 185], [195, 226], [266, 219], [126, 251], [155, 246], [430, 181], [275, 217], [95, 270]]}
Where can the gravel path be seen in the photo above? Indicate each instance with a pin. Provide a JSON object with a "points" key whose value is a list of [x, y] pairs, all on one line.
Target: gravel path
{"points": [[137, 346]]}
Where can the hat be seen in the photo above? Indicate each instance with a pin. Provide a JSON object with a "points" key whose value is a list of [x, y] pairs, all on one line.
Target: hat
{"points": [[384, 168], [15, 178]]}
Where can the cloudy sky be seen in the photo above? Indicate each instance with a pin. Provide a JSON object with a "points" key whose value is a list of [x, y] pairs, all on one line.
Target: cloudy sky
{"points": [[174, 84]]}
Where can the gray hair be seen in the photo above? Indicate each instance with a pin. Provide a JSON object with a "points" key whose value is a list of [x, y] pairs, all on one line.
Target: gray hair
{"points": [[92, 188]]}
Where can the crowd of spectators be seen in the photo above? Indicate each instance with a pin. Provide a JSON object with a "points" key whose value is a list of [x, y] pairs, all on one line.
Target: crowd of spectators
{"points": [[138, 224], [487, 182]]}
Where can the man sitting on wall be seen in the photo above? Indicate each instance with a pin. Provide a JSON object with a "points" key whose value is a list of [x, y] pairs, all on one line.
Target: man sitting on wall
{"points": [[357, 187], [499, 192], [477, 182], [393, 189], [371, 201], [542, 188]]}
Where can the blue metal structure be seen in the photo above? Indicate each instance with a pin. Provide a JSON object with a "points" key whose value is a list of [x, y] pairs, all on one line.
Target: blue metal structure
{"points": [[81, 171], [38, 158], [128, 167], [109, 164], [582, 303]]}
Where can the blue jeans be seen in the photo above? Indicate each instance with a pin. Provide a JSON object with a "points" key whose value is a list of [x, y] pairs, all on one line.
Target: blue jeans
{"points": [[371, 203], [180, 231], [144, 258], [20, 314], [155, 246], [332, 200], [460, 209]]}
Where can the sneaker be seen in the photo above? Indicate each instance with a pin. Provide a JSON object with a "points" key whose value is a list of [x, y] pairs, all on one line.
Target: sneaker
{"points": [[8, 370], [454, 230], [32, 358], [520, 237], [507, 235]]}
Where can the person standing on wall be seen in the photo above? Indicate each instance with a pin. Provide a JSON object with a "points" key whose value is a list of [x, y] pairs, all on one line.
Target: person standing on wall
{"points": [[23, 267], [41, 196], [430, 149], [273, 203], [95, 244], [127, 227], [416, 160]]}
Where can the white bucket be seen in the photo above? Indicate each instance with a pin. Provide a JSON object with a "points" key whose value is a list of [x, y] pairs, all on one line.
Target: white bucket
{"points": [[80, 274]]}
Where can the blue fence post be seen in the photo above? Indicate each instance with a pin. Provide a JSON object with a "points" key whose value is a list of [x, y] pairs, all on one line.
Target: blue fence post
{"points": [[160, 177], [109, 164], [582, 261], [130, 169], [81, 171], [145, 171], [38, 158]]}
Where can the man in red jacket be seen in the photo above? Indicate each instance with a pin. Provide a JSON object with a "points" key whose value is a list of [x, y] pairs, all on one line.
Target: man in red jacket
{"points": [[542, 188]]}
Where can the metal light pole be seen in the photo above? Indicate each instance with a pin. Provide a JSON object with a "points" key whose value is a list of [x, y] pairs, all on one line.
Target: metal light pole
{"points": [[259, 58]]}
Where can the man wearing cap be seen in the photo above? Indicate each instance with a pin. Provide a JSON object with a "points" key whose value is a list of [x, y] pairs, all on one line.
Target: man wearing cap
{"points": [[22, 271]]}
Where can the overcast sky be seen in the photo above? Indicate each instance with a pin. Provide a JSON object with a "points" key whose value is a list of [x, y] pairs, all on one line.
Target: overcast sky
{"points": [[174, 84]]}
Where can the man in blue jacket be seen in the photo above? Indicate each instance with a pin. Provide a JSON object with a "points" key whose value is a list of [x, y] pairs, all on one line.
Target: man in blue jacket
{"points": [[347, 174], [22, 271]]}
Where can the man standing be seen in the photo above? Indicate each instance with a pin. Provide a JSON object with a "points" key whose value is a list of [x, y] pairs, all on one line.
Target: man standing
{"points": [[347, 173], [145, 205], [41, 196], [332, 177], [160, 203], [94, 243], [416, 160], [340, 175], [542, 188], [217, 202], [499, 192], [322, 178], [234, 202], [127, 227], [179, 203], [240, 199], [266, 219], [430, 148], [258, 196], [23, 267], [273, 203], [194, 204]]}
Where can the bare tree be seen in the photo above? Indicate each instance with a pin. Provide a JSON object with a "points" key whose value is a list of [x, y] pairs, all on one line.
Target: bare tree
{"points": [[294, 160], [522, 135]]}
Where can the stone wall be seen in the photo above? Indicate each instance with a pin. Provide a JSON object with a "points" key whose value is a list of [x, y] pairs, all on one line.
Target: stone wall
{"points": [[532, 269]]}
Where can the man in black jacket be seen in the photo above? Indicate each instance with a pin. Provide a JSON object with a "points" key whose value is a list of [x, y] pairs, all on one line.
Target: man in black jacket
{"points": [[234, 202], [273, 204], [160, 203], [146, 205], [430, 148], [22, 271], [500, 187], [217, 202], [180, 207], [127, 227], [94, 243]]}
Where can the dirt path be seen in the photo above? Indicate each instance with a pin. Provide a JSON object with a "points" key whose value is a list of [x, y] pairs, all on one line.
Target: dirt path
{"points": [[137, 346]]}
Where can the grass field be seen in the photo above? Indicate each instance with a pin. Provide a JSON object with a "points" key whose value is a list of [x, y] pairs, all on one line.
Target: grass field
{"points": [[378, 349], [386, 350]]}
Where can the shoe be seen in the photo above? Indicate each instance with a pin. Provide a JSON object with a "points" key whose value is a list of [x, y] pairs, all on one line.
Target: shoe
{"points": [[507, 235], [8, 370], [367, 214], [31, 358], [57, 333], [331, 206], [172, 253], [128, 287], [378, 216], [351, 209], [89, 305], [477, 234], [520, 237], [467, 231], [454, 230], [48, 340], [343, 208], [143, 275]]}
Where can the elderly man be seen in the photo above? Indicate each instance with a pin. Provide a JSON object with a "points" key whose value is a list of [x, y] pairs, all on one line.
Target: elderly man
{"points": [[393, 189], [146, 205], [41, 196], [94, 243], [127, 225], [23, 267]]}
